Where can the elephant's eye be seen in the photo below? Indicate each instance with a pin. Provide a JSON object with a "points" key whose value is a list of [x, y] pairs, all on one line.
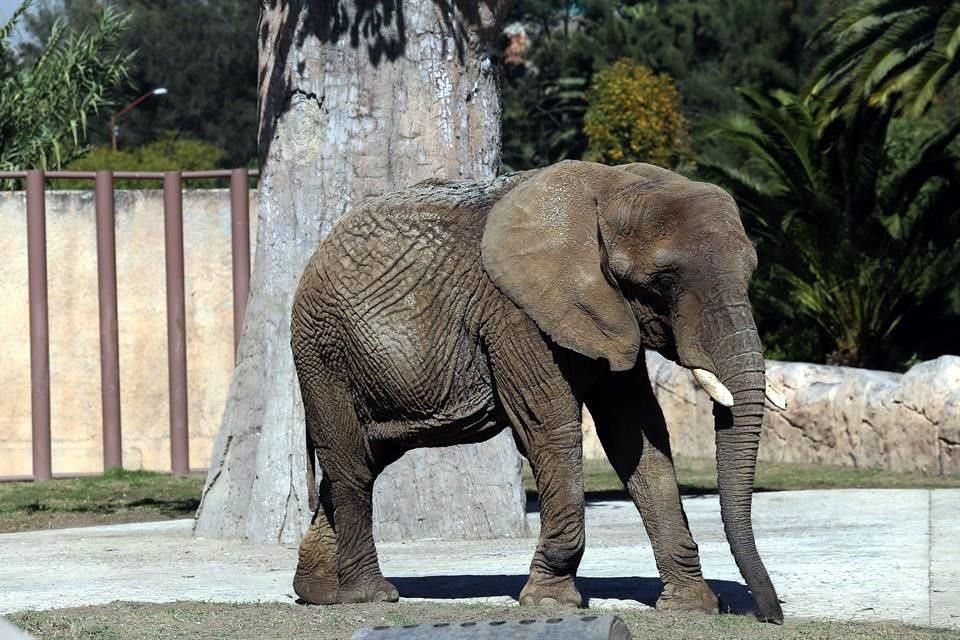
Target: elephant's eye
{"points": [[666, 285]]}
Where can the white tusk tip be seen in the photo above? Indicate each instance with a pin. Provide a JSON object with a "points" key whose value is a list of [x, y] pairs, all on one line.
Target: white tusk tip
{"points": [[776, 396], [714, 388]]}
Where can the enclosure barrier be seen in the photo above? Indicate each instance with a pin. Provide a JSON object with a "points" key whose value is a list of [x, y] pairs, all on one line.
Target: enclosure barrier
{"points": [[35, 182]]}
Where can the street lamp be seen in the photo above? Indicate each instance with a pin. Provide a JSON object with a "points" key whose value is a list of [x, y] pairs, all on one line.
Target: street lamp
{"points": [[159, 91]]}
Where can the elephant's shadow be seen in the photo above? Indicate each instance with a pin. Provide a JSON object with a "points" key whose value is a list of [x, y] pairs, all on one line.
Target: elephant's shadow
{"points": [[734, 597]]}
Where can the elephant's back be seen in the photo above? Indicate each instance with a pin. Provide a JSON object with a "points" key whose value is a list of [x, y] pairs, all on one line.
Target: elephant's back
{"points": [[426, 225]]}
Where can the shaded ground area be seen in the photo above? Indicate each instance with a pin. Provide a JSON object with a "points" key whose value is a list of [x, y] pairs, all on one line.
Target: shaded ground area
{"points": [[143, 496], [116, 497], [208, 621], [698, 476]]}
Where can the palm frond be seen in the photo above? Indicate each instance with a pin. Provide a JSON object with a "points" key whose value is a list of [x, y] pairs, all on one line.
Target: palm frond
{"points": [[886, 52], [855, 263]]}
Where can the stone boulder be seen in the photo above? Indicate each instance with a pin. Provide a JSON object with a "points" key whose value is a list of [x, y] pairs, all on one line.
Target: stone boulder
{"points": [[835, 415]]}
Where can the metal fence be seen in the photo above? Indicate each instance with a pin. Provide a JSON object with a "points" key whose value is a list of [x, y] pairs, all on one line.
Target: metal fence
{"points": [[35, 182]]}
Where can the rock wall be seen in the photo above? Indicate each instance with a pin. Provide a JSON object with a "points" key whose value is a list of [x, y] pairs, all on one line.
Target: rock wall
{"points": [[835, 415]]}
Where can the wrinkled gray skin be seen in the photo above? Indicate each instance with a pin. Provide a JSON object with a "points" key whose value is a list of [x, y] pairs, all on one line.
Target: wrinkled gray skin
{"points": [[450, 311]]}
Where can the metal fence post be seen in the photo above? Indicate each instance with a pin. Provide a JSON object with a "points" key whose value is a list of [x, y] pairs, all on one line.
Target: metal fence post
{"points": [[176, 321], [240, 248], [109, 335], [39, 325]]}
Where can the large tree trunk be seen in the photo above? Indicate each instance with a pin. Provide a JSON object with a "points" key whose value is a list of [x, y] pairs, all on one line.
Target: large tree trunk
{"points": [[356, 99]]}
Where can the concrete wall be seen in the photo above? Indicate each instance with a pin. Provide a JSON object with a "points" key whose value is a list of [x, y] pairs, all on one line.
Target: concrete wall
{"points": [[74, 328]]}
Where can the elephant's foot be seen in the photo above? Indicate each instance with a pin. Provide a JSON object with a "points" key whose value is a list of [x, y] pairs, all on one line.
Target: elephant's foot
{"points": [[372, 589], [322, 589], [541, 589], [693, 596], [316, 588]]}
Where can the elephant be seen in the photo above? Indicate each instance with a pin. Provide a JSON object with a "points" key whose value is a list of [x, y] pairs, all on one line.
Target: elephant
{"points": [[449, 311]]}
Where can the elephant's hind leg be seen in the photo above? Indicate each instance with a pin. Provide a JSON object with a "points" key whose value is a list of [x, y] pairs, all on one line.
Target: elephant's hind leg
{"points": [[634, 435], [338, 558], [315, 580]]}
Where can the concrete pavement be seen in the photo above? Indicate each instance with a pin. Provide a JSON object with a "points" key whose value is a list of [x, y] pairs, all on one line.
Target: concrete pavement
{"points": [[840, 554]]}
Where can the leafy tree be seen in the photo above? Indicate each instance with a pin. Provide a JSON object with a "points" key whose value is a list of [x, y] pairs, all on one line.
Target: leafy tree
{"points": [[542, 121], [634, 116], [202, 52], [169, 153], [544, 100], [45, 104], [708, 48], [885, 52], [858, 226]]}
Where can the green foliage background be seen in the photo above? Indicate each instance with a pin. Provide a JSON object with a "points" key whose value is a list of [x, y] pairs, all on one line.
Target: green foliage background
{"points": [[46, 103], [858, 224], [169, 153], [203, 53], [708, 47]]}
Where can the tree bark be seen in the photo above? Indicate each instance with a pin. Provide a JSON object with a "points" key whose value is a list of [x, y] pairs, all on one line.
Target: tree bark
{"points": [[356, 99]]}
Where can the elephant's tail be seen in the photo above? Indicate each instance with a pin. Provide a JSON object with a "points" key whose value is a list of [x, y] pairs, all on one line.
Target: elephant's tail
{"points": [[311, 473]]}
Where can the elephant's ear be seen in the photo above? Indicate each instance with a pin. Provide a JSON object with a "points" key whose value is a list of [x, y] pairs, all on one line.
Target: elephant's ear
{"points": [[543, 249]]}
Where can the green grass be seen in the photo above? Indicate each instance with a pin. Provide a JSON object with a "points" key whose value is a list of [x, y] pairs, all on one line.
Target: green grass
{"points": [[116, 496], [207, 621], [698, 476]]}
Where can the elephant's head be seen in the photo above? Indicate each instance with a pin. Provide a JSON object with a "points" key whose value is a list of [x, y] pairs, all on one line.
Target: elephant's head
{"points": [[609, 260]]}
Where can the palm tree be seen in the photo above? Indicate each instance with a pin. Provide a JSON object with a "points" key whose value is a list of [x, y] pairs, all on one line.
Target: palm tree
{"points": [[886, 52], [856, 237], [44, 105]]}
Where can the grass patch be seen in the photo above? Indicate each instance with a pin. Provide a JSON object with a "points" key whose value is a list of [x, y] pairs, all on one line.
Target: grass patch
{"points": [[206, 621], [116, 496], [698, 476]]}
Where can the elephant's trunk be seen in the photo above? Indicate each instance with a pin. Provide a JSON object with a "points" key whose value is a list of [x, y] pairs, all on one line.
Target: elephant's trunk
{"points": [[739, 358]]}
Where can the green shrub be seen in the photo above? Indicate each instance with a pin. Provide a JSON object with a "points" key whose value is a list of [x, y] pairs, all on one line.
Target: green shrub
{"points": [[634, 116], [167, 154]]}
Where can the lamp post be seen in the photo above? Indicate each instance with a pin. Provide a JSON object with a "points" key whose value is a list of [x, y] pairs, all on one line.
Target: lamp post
{"points": [[159, 91]]}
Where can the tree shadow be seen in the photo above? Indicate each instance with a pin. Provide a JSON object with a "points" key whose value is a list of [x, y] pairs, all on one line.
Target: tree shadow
{"points": [[378, 25], [610, 495], [185, 505], [621, 495], [734, 597]]}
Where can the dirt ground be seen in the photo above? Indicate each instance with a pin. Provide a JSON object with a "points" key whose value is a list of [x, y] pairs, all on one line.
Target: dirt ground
{"points": [[209, 621]]}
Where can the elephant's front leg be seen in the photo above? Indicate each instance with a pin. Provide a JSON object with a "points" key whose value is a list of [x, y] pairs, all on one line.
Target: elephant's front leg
{"points": [[634, 435], [545, 416], [558, 470]]}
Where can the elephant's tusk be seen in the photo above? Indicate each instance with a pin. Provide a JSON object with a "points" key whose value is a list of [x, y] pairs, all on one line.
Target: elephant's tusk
{"points": [[776, 396], [714, 388]]}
